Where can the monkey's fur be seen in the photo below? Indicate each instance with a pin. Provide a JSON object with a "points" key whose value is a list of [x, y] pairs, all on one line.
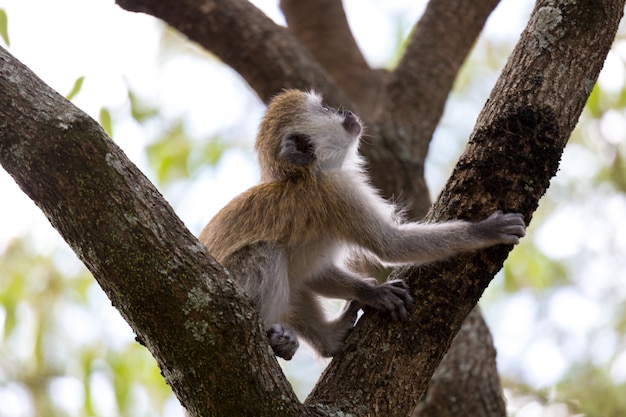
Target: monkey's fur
{"points": [[286, 240]]}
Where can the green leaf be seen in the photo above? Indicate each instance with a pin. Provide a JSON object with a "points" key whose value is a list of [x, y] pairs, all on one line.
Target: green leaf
{"points": [[169, 155], [594, 104], [206, 153], [4, 27], [105, 121], [78, 84], [141, 110]]}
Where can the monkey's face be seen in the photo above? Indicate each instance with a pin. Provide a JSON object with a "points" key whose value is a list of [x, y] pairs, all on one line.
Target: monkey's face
{"points": [[334, 134]]}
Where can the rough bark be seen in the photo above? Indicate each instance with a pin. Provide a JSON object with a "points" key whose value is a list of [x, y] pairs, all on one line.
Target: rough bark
{"points": [[462, 385], [418, 88]]}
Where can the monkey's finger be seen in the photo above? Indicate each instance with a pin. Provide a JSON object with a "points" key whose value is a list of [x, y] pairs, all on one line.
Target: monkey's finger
{"points": [[401, 290], [403, 313]]}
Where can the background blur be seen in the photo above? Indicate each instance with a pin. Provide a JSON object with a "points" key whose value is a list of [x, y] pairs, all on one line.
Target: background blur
{"points": [[557, 310]]}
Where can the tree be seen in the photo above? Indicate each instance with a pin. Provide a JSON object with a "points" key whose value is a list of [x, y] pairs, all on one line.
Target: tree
{"points": [[149, 265]]}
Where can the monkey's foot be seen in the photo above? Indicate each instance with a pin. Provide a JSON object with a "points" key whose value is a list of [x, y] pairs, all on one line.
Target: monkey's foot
{"points": [[283, 340], [390, 296]]}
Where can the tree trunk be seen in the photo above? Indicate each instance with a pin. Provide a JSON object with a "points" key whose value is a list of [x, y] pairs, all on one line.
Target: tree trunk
{"points": [[183, 305]]}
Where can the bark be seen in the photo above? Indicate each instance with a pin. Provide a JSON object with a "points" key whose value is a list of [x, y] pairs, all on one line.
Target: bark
{"points": [[321, 26], [462, 385], [174, 296]]}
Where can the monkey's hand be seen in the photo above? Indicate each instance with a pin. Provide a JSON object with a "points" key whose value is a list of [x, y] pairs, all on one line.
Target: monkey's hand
{"points": [[283, 340], [502, 228], [390, 296]]}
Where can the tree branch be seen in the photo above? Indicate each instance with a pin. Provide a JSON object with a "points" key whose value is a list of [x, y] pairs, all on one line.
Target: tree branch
{"points": [[266, 55], [516, 146], [463, 385], [181, 304], [321, 26], [420, 86]]}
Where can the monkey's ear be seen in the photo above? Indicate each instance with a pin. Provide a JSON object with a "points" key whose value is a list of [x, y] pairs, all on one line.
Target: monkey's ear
{"points": [[297, 148]]}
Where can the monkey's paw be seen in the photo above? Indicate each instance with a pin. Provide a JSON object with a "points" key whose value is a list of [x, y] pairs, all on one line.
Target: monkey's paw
{"points": [[283, 340], [390, 296], [503, 227]]}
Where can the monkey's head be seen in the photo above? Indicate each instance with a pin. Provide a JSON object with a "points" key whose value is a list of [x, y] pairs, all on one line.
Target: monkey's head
{"points": [[300, 135]]}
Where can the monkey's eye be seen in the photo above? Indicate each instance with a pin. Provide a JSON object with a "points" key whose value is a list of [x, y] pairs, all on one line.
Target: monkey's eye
{"points": [[325, 109]]}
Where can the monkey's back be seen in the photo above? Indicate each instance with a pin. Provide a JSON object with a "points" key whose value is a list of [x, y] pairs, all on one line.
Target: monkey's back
{"points": [[294, 212]]}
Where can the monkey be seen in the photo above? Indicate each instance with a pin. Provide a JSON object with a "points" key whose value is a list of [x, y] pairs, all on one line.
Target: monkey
{"points": [[286, 240]]}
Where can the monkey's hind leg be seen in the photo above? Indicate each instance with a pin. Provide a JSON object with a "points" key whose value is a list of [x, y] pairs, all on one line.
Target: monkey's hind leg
{"points": [[326, 337], [261, 270]]}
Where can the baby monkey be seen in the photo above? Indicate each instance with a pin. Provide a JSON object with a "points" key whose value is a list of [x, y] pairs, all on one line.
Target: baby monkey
{"points": [[286, 240]]}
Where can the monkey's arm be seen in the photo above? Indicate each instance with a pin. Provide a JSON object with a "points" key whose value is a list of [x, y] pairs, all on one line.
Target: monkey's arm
{"points": [[422, 243]]}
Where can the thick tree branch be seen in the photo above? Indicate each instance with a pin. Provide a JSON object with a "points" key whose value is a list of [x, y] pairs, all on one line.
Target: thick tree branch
{"points": [[438, 47], [180, 303], [418, 88], [266, 55], [515, 148], [463, 385], [321, 26]]}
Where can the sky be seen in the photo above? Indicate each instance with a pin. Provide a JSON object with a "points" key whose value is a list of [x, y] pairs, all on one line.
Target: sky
{"points": [[62, 40]]}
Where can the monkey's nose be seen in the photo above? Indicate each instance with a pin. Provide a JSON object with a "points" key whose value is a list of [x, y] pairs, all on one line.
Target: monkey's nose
{"points": [[351, 123]]}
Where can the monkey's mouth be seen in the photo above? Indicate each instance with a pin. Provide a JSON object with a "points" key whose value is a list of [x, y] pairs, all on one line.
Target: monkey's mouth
{"points": [[351, 124]]}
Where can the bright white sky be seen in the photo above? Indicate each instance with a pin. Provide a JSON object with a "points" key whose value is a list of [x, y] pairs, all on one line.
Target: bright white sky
{"points": [[62, 40]]}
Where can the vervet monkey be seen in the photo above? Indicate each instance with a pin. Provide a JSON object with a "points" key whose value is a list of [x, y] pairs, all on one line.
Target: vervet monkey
{"points": [[286, 240]]}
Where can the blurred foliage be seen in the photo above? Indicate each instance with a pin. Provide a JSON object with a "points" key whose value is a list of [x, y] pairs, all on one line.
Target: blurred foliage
{"points": [[78, 84], [528, 267], [53, 339], [591, 391], [105, 121], [176, 156], [4, 27]]}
